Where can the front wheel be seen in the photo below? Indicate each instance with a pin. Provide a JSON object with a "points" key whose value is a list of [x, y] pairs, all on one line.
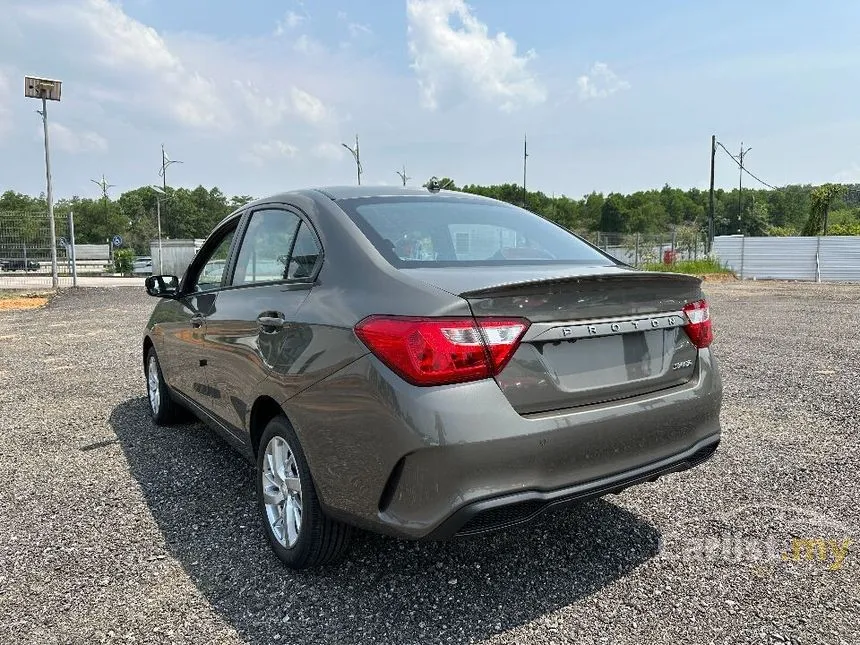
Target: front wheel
{"points": [[297, 529]]}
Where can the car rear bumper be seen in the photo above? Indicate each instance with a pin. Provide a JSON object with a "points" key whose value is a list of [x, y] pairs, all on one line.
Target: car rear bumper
{"points": [[456, 460], [509, 510]]}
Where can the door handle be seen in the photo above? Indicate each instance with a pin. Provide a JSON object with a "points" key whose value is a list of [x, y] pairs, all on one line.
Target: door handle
{"points": [[197, 321], [269, 321]]}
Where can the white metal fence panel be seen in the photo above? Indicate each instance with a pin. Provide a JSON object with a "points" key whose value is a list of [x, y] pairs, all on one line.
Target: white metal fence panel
{"points": [[840, 259], [178, 254], [832, 258]]}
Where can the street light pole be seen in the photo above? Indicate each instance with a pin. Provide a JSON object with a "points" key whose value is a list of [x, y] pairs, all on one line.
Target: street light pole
{"points": [[357, 156], [159, 193], [47, 90], [55, 279], [403, 176], [525, 162]]}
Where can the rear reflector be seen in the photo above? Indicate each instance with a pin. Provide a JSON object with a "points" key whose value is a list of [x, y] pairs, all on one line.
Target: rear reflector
{"points": [[699, 326], [438, 351]]}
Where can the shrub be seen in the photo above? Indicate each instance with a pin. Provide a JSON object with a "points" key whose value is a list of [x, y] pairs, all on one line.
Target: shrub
{"points": [[123, 260]]}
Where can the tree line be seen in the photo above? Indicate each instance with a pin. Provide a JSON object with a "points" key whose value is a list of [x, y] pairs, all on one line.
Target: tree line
{"points": [[192, 213]]}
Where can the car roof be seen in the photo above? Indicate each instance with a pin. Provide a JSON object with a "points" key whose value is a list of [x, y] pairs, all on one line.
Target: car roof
{"points": [[336, 193]]}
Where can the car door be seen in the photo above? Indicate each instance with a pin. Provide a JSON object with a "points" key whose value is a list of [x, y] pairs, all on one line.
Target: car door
{"points": [[254, 322], [183, 356]]}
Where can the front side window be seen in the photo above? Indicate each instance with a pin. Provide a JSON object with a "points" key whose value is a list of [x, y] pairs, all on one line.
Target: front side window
{"points": [[265, 252], [213, 269], [437, 231]]}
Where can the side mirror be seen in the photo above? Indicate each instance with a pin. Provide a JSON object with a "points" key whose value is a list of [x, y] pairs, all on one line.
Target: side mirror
{"points": [[162, 286]]}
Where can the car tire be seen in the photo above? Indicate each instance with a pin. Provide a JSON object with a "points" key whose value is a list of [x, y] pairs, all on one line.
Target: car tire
{"points": [[284, 488], [164, 410]]}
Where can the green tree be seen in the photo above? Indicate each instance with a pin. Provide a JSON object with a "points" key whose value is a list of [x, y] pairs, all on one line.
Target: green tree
{"points": [[822, 198], [613, 214]]}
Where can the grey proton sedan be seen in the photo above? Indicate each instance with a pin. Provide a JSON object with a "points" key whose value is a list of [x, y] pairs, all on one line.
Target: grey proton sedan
{"points": [[427, 364]]}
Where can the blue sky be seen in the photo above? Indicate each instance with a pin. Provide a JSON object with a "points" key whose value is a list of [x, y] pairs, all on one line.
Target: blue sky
{"points": [[257, 96]]}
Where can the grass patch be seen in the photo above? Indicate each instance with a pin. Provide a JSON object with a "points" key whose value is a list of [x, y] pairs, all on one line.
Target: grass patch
{"points": [[705, 266]]}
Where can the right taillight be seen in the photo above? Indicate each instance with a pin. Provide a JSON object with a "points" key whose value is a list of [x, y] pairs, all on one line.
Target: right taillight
{"points": [[439, 351], [698, 327]]}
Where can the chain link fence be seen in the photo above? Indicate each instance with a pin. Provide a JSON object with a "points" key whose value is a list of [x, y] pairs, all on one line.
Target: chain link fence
{"points": [[640, 249], [25, 251]]}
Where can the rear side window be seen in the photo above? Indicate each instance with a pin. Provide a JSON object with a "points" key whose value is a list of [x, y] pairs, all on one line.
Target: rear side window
{"points": [[265, 251], [451, 231], [306, 253]]}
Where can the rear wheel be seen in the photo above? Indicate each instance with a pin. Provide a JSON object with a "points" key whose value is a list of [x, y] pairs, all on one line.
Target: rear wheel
{"points": [[297, 529], [164, 410]]}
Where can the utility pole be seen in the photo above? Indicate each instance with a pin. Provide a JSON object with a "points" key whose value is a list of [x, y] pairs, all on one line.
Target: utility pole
{"points": [[403, 176], [46, 90], [711, 228], [525, 162], [357, 156], [741, 180]]}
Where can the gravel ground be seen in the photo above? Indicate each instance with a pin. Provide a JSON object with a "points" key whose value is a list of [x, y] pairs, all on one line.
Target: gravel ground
{"points": [[112, 530]]}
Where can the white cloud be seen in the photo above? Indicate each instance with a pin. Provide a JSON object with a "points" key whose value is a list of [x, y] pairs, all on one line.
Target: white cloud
{"points": [[266, 110], [308, 106], [357, 29], [308, 46], [72, 141], [467, 61], [135, 61], [273, 150], [270, 106], [291, 21], [599, 83], [328, 151]]}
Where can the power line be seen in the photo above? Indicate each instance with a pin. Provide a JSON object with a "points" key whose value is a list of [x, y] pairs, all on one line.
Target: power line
{"points": [[742, 167]]}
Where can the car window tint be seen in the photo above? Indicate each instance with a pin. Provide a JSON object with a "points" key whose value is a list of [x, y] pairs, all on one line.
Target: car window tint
{"points": [[306, 252], [437, 231], [212, 273], [264, 254]]}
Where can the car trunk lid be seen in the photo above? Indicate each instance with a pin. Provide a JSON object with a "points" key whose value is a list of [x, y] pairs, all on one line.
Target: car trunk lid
{"points": [[597, 333]]}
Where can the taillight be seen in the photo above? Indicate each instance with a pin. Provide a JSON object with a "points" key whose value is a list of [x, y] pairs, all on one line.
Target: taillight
{"points": [[699, 326], [438, 351]]}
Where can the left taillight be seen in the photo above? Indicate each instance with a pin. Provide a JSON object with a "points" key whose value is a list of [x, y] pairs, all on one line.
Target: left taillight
{"points": [[699, 327], [440, 351]]}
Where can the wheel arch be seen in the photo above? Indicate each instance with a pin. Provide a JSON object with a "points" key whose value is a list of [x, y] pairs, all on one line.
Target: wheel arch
{"points": [[264, 409], [147, 345]]}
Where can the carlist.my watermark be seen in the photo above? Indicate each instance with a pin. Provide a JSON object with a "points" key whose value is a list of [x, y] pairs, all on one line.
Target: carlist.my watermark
{"points": [[762, 534]]}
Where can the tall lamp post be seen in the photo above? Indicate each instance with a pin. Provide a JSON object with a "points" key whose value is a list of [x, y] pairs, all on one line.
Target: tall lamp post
{"points": [[357, 156], [402, 174], [159, 195], [47, 90], [165, 162]]}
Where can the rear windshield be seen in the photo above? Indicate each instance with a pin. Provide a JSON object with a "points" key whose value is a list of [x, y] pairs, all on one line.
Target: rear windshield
{"points": [[438, 231]]}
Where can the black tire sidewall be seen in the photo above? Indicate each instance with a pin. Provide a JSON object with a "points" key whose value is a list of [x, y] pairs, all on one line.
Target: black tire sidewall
{"points": [[298, 555]]}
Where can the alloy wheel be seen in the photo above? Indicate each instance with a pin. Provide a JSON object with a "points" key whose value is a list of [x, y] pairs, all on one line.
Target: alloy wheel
{"points": [[152, 384], [282, 492]]}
